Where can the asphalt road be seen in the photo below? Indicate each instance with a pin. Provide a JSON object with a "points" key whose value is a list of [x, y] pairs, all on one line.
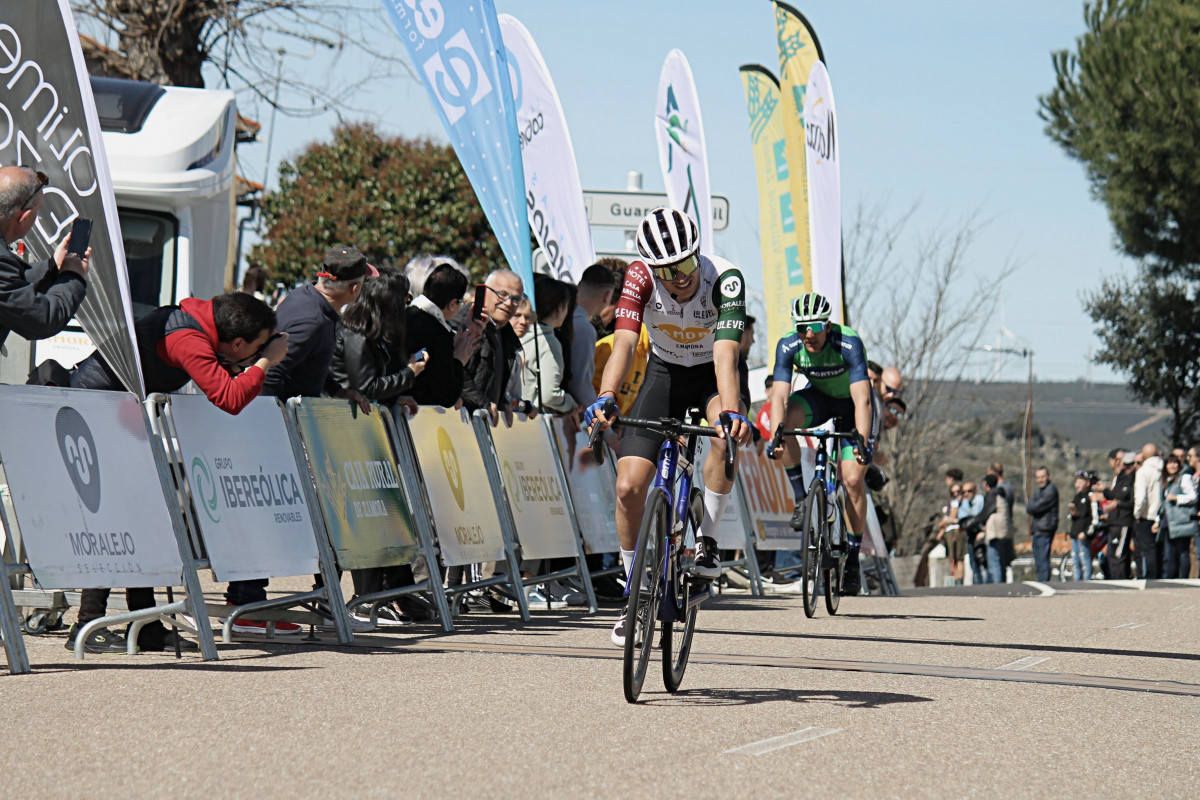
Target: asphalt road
{"points": [[1048, 692]]}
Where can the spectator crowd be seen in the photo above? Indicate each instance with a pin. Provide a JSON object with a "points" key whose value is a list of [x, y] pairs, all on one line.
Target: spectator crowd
{"points": [[1138, 522]]}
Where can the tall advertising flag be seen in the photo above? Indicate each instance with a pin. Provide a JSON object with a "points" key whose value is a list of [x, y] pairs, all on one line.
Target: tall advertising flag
{"points": [[458, 51], [824, 188], [554, 197], [681, 152], [48, 122], [798, 51], [777, 224]]}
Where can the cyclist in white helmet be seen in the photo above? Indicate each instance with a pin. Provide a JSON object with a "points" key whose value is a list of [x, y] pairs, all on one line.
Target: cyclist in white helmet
{"points": [[833, 359], [694, 309]]}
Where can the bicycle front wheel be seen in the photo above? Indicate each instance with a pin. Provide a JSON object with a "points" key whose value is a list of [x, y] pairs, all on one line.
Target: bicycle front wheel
{"points": [[677, 635], [644, 586], [814, 528]]}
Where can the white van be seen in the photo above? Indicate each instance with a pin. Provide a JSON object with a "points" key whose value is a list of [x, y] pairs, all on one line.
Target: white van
{"points": [[171, 155]]}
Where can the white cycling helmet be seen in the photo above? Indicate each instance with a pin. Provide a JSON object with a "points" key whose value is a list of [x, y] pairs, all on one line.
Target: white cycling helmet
{"points": [[666, 237], [811, 307]]}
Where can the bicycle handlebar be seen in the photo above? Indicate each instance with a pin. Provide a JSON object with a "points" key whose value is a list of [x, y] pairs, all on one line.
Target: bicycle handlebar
{"points": [[674, 427], [854, 437]]}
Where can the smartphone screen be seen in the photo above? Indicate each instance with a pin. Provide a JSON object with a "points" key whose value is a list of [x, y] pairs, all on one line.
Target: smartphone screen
{"points": [[81, 233], [480, 299]]}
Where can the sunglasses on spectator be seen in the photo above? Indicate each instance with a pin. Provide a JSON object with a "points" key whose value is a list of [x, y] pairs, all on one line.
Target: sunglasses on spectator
{"points": [[505, 297], [810, 327], [891, 389], [676, 271], [43, 182]]}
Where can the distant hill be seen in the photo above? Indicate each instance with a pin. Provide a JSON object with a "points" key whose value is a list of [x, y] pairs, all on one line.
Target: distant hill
{"points": [[1094, 416]]}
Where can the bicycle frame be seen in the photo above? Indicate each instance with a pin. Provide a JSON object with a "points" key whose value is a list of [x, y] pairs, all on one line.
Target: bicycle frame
{"points": [[673, 478]]}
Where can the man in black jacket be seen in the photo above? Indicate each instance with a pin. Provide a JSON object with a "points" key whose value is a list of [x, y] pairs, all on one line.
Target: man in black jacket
{"points": [[429, 329], [1119, 511], [1043, 520], [36, 301], [309, 317], [488, 371]]}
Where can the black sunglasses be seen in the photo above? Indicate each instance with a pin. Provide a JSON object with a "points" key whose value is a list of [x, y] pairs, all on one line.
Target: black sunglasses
{"points": [[43, 182]]}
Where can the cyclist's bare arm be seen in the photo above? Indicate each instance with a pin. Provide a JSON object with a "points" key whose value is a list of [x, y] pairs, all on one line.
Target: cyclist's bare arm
{"points": [[617, 366], [725, 363], [860, 393]]}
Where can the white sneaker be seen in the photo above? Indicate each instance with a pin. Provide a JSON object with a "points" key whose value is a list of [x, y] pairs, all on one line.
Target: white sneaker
{"points": [[386, 617], [537, 599], [618, 631]]}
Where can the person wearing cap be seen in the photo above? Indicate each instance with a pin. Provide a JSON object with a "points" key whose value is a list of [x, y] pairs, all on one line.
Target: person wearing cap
{"points": [[309, 316], [36, 300]]}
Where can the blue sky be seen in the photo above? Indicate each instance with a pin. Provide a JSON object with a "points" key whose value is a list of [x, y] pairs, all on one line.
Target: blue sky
{"points": [[937, 105]]}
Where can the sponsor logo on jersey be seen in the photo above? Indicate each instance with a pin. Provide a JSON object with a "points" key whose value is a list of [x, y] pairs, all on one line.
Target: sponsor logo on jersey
{"points": [[731, 286], [684, 335]]}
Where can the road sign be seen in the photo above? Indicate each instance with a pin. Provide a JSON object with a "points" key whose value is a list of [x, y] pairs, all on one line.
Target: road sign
{"points": [[626, 209]]}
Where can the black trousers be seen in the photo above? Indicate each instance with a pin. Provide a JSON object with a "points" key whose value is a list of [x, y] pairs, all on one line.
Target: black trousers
{"points": [[93, 603], [1119, 541], [1149, 551]]}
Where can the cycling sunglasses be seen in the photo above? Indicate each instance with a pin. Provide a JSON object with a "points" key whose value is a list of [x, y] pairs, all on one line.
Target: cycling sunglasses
{"points": [[676, 271], [806, 327]]}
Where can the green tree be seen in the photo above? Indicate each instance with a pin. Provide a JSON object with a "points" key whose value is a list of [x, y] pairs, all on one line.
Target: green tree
{"points": [[1149, 328], [393, 198], [1126, 104]]}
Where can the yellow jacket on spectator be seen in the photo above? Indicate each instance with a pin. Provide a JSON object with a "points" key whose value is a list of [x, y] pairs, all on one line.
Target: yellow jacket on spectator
{"points": [[637, 371]]}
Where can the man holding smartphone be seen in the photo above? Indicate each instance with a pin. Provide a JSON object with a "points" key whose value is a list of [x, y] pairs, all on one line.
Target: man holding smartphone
{"points": [[36, 300]]}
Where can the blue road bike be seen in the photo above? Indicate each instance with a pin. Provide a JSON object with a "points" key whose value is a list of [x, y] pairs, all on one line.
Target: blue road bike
{"points": [[661, 586], [823, 531]]}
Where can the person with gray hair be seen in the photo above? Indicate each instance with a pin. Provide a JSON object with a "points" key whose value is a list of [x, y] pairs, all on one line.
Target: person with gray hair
{"points": [[422, 265], [36, 300]]}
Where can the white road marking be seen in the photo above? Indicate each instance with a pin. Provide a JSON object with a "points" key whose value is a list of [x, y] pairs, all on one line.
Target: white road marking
{"points": [[1130, 625], [786, 740], [1041, 587], [1024, 663]]}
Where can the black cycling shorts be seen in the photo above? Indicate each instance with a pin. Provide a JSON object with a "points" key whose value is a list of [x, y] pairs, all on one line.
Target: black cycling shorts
{"points": [[667, 391], [819, 408]]}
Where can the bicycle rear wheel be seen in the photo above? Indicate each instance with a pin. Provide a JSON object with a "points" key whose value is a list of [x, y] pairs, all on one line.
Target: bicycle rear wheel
{"points": [[677, 635], [814, 525], [644, 586], [833, 575]]}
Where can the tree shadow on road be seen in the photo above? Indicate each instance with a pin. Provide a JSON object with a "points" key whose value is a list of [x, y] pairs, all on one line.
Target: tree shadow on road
{"points": [[749, 697]]}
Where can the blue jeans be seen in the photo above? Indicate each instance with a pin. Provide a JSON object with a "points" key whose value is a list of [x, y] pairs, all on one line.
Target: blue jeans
{"points": [[1081, 556], [1177, 561], [1041, 556], [1000, 553], [978, 567]]}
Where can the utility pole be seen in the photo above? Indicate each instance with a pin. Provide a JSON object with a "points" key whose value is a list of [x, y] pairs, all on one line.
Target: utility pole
{"points": [[1027, 458]]}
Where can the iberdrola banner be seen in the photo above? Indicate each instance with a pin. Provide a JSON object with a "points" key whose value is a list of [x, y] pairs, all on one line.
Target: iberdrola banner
{"points": [[681, 152], [798, 51], [824, 188], [554, 197], [457, 49], [777, 224], [48, 122]]}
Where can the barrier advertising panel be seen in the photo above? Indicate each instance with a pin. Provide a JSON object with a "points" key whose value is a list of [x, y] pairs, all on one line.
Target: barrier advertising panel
{"points": [[87, 494], [769, 499], [357, 484], [593, 490], [535, 493], [248, 494], [464, 511]]}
